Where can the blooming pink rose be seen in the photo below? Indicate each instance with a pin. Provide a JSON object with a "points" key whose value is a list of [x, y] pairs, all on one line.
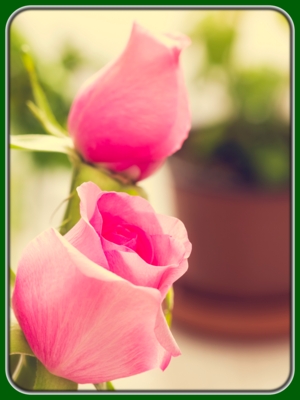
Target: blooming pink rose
{"points": [[89, 303], [134, 112]]}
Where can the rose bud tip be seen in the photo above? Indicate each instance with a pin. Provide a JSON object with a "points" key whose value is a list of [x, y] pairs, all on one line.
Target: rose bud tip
{"points": [[134, 113]]}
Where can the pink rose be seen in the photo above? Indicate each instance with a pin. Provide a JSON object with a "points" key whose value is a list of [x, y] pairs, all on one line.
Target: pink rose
{"points": [[89, 302], [134, 112]]}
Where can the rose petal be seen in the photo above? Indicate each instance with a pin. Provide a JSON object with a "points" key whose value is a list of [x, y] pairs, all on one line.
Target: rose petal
{"points": [[130, 266], [83, 235], [140, 97], [167, 250], [156, 257], [174, 227], [132, 237], [83, 322], [118, 208], [89, 193], [86, 240], [163, 336]]}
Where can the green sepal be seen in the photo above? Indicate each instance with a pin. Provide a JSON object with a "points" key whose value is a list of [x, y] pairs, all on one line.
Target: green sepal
{"points": [[42, 143], [40, 97], [105, 386], [168, 306], [103, 179], [18, 342], [170, 299], [168, 316], [47, 381]]}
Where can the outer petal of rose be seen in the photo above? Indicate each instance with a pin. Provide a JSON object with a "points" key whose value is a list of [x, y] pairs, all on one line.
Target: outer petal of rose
{"points": [[183, 116], [163, 335], [83, 322], [89, 193], [174, 227], [86, 240], [133, 268], [83, 235], [138, 101]]}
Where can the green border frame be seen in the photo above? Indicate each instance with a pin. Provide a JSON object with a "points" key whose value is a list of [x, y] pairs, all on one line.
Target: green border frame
{"points": [[292, 11]]}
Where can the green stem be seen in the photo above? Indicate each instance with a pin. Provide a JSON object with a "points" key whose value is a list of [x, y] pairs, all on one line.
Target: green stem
{"points": [[104, 386]]}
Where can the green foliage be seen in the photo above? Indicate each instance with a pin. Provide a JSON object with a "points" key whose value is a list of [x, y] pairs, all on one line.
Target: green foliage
{"points": [[46, 381], [168, 305], [18, 343], [14, 360], [270, 164], [256, 93], [41, 143], [51, 81], [24, 374], [105, 386], [251, 145], [248, 153], [20, 92], [42, 108], [71, 59], [218, 34]]}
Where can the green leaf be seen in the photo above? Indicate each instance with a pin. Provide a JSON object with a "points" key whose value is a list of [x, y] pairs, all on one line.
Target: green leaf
{"points": [[47, 381], [168, 316], [38, 93], [18, 342], [104, 386], [30, 372], [42, 117], [168, 306], [42, 143], [170, 299], [110, 386], [13, 362], [25, 372]]}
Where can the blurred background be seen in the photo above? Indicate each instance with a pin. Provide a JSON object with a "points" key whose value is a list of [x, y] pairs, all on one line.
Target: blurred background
{"points": [[230, 183]]}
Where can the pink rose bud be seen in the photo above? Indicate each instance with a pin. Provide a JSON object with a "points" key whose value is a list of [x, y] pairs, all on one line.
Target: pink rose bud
{"points": [[89, 303], [134, 113]]}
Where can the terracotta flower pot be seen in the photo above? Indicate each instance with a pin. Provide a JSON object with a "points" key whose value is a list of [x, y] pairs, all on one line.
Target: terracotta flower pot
{"points": [[238, 280]]}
